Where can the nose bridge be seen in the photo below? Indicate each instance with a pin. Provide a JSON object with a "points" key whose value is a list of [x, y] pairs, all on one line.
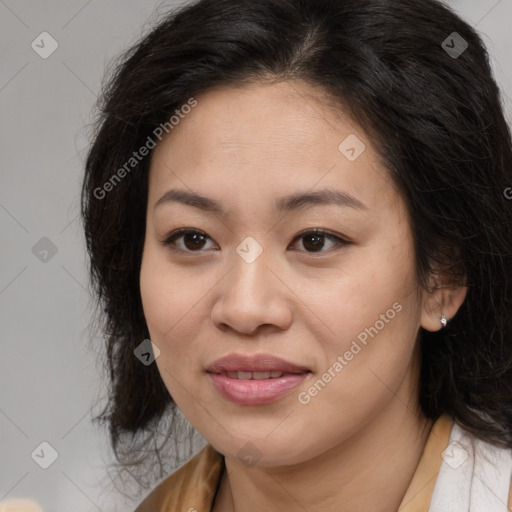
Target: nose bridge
{"points": [[250, 273], [251, 295]]}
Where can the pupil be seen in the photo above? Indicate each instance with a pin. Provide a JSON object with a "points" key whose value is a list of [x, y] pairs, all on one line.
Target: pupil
{"points": [[317, 244], [196, 238]]}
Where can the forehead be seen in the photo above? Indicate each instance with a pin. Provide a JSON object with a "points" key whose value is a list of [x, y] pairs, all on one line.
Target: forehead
{"points": [[268, 140], [287, 118]]}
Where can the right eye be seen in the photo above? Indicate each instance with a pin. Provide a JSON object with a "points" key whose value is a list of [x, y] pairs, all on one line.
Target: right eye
{"points": [[192, 240]]}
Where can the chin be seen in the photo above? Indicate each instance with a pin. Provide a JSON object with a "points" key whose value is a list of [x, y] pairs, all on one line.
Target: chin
{"points": [[253, 450]]}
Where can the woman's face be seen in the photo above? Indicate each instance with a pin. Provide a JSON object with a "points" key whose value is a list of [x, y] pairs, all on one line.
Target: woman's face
{"points": [[345, 309]]}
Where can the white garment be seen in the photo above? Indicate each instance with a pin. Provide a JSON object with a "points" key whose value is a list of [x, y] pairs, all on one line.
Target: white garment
{"points": [[474, 475]]}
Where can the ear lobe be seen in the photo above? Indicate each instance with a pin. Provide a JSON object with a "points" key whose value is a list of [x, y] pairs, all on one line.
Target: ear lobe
{"points": [[445, 299]]}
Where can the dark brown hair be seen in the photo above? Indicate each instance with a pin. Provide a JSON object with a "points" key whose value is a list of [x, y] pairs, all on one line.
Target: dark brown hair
{"points": [[436, 120]]}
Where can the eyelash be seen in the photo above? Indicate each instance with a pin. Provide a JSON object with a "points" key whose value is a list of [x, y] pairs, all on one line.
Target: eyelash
{"points": [[169, 240]]}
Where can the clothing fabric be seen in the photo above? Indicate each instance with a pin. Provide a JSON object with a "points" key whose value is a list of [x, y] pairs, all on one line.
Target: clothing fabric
{"points": [[457, 472]]}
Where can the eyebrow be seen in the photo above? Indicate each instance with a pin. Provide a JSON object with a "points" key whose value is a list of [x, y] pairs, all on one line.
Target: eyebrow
{"points": [[293, 202]]}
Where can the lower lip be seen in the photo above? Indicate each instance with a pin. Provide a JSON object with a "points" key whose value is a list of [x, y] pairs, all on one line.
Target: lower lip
{"points": [[255, 392]]}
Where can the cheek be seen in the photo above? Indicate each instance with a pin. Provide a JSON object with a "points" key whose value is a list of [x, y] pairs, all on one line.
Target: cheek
{"points": [[172, 304], [374, 314], [366, 360], [167, 295], [376, 280], [171, 301]]}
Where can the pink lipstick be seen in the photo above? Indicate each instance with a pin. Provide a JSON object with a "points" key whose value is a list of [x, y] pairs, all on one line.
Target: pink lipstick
{"points": [[255, 380]]}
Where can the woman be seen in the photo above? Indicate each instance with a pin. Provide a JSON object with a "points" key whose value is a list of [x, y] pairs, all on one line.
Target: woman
{"points": [[302, 204]]}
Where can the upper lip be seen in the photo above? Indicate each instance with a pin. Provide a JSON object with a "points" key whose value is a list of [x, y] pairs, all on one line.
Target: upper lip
{"points": [[254, 363]]}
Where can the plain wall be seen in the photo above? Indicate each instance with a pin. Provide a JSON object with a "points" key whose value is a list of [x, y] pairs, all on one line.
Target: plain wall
{"points": [[49, 380]]}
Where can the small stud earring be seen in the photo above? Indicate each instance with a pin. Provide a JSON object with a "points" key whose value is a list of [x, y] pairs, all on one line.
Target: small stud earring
{"points": [[443, 320]]}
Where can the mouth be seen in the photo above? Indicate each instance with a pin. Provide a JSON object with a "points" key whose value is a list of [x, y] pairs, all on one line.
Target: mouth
{"points": [[241, 375], [255, 380]]}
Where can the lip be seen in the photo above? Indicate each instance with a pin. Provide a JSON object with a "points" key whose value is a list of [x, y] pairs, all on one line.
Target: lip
{"points": [[255, 391], [254, 363]]}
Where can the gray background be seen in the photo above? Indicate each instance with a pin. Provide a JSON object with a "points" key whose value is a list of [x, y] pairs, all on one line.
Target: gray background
{"points": [[49, 377]]}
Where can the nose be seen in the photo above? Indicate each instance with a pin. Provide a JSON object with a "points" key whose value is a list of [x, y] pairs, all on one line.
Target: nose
{"points": [[252, 297]]}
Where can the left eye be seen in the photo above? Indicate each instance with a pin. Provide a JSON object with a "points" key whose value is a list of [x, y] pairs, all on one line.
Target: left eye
{"points": [[315, 240], [193, 240]]}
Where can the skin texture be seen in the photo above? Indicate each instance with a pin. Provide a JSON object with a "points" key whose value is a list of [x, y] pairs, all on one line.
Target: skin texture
{"points": [[356, 444]]}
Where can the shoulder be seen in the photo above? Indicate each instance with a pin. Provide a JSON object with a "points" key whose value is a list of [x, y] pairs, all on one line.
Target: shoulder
{"points": [[191, 486], [474, 474]]}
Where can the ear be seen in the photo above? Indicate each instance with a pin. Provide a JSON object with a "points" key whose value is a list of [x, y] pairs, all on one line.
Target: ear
{"points": [[445, 297]]}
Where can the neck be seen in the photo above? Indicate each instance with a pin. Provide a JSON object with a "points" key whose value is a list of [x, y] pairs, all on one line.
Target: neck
{"points": [[369, 471]]}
